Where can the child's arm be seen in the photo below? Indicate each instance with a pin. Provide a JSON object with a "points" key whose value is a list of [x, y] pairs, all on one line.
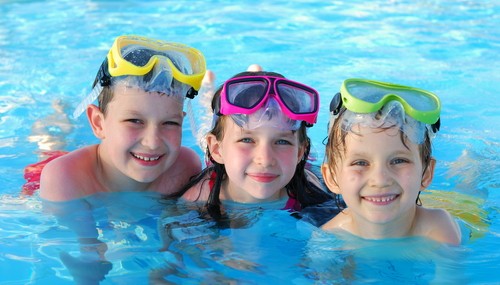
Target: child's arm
{"points": [[55, 182], [77, 216], [68, 177], [192, 162], [91, 265]]}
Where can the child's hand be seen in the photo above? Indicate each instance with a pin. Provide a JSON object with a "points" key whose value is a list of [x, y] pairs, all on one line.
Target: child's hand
{"points": [[85, 271]]}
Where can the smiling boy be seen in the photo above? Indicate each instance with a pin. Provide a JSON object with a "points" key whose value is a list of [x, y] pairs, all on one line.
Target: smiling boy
{"points": [[141, 87]]}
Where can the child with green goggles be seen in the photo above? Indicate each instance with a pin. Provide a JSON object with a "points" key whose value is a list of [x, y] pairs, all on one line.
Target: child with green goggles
{"points": [[379, 158]]}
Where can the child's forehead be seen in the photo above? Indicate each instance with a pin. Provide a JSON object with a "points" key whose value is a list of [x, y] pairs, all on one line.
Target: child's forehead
{"points": [[125, 87], [141, 101], [279, 121], [370, 139], [122, 88], [268, 131], [264, 129], [134, 93], [362, 130], [391, 115]]}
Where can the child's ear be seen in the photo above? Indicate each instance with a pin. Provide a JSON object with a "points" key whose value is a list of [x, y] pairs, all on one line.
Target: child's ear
{"points": [[215, 149], [96, 120], [329, 179], [428, 175]]}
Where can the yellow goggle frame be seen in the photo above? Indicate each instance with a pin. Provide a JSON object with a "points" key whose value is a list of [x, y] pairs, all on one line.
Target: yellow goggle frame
{"points": [[118, 65]]}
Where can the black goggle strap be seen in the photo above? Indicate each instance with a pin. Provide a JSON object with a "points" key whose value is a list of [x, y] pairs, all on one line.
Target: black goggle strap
{"points": [[191, 93], [216, 105], [336, 106], [436, 125], [103, 77]]}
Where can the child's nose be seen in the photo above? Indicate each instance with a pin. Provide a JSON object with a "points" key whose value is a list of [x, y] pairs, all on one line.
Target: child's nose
{"points": [[380, 176], [151, 138], [264, 155]]}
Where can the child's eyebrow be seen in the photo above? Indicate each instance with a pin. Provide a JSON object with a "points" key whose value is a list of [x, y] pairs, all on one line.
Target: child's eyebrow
{"points": [[130, 112], [361, 152], [285, 134], [357, 152], [277, 133]]}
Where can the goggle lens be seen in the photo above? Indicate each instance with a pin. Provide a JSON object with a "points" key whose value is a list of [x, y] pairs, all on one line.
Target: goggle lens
{"points": [[246, 94], [374, 94], [138, 56], [297, 99]]}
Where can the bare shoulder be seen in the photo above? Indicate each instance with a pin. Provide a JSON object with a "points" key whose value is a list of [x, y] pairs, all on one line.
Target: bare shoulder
{"points": [[67, 177], [438, 225], [314, 179], [190, 159], [198, 192], [338, 222], [187, 165]]}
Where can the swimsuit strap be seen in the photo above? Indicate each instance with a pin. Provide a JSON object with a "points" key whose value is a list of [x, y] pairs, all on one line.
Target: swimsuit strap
{"points": [[292, 205], [211, 182]]}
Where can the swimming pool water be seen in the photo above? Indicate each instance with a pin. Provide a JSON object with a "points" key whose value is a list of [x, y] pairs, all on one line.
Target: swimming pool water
{"points": [[49, 60]]}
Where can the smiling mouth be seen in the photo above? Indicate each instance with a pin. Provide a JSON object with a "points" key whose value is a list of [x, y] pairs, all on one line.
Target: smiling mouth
{"points": [[381, 199], [153, 158], [266, 178]]}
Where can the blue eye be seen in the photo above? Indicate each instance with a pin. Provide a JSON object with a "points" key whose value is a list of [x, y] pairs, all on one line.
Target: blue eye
{"points": [[360, 163], [284, 142], [246, 140], [399, 161]]}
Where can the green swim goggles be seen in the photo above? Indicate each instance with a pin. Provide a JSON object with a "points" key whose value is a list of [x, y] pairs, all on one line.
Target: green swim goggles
{"points": [[368, 96]]}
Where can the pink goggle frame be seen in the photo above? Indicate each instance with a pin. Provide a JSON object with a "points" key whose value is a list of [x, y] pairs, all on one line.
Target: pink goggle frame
{"points": [[247, 94]]}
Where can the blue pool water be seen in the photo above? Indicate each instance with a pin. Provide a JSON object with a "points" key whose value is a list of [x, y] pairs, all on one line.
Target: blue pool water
{"points": [[49, 60]]}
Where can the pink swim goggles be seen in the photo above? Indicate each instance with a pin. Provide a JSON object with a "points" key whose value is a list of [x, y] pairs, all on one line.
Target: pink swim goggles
{"points": [[247, 94]]}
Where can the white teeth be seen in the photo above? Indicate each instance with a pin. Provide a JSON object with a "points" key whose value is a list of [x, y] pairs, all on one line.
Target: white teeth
{"points": [[146, 158], [381, 199]]}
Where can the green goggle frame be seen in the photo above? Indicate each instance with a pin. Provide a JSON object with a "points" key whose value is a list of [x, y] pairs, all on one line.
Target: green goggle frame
{"points": [[368, 96]]}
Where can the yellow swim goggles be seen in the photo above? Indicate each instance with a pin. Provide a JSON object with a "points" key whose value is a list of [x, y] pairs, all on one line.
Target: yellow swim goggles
{"points": [[134, 55], [158, 62]]}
